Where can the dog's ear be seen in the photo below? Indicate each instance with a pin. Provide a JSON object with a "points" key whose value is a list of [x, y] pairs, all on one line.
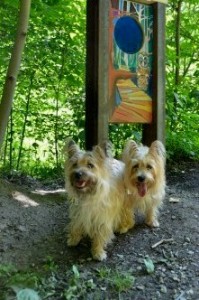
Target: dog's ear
{"points": [[107, 146], [158, 148], [99, 153], [70, 148], [129, 150]]}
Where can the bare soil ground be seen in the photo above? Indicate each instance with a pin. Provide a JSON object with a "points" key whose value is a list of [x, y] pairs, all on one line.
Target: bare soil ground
{"points": [[33, 222]]}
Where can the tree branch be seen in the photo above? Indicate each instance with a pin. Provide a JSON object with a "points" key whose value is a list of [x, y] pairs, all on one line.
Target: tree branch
{"points": [[189, 64]]}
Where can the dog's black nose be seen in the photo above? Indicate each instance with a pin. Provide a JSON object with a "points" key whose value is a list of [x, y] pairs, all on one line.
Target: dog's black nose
{"points": [[78, 175], [141, 178]]}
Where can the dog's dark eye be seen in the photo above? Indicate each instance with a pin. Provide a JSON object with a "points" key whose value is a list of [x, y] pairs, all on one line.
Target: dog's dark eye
{"points": [[149, 167], [75, 165], [90, 166], [135, 167]]}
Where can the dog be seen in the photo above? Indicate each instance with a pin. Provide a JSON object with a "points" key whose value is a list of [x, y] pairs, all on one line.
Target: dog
{"points": [[95, 186], [144, 178]]}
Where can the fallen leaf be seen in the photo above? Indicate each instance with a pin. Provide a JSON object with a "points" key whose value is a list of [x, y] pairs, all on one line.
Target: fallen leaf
{"points": [[149, 265], [27, 294], [174, 200]]}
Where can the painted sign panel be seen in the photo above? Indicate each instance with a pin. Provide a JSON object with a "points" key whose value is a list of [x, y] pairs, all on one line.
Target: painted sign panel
{"points": [[130, 61]]}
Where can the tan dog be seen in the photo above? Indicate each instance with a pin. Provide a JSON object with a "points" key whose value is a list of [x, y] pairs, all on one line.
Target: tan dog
{"points": [[145, 178], [94, 183]]}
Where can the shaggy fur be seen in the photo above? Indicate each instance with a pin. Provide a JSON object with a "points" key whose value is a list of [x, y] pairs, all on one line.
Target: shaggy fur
{"points": [[98, 208], [145, 178]]}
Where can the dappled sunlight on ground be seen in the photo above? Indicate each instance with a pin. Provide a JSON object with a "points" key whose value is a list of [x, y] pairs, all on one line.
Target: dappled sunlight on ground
{"points": [[47, 192], [24, 199]]}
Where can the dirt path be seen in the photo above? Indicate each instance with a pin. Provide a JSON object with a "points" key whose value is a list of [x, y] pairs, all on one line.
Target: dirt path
{"points": [[32, 228]]}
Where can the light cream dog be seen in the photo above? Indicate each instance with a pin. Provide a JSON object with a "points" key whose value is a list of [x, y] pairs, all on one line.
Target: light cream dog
{"points": [[98, 208], [145, 178]]}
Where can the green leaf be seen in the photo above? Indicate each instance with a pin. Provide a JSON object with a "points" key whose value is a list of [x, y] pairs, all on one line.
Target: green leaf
{"points": [[75, 271], [149, 265], [72, 35]]}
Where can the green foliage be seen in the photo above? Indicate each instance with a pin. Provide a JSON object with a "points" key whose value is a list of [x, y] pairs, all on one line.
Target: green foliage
{"points": [[78, 288], [50, 94], [120, 133], [119, 280], [74, 283], [122, 281], [49, 99], [22, 284], [182, 98]]}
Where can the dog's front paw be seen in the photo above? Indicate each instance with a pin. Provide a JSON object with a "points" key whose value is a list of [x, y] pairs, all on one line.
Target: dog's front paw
{"points": [[123, 228], [99, 255], [153, 223]]}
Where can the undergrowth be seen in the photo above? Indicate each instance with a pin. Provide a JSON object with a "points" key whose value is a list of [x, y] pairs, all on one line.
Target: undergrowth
{"points": [[50, 283]]}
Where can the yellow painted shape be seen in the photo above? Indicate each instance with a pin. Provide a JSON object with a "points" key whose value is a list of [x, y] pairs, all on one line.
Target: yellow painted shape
{"points": [[135, 106], [150, 1], [130, 92]]}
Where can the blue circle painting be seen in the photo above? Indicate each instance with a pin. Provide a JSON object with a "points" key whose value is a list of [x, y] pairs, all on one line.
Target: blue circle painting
{"points": [[128, 35]]}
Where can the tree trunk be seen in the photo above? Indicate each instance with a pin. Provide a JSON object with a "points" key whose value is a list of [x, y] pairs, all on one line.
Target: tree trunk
{"points": [[177, 60], [177, 40], [25, 119], [13, 68]]}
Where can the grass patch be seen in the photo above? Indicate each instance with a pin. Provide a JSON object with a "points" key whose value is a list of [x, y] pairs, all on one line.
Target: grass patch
{"points": [[75, 283], [117, 279]]}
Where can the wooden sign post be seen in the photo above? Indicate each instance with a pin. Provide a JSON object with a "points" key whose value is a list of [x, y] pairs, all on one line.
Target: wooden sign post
{"points": [[125, 80]]}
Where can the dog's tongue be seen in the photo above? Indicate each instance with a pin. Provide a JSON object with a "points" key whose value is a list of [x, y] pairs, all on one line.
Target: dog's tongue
{"points": [[80, 183], [142, 188]]}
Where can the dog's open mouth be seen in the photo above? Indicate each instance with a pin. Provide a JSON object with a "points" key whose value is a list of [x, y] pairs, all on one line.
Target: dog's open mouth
{"points": [[80, 184], [142, 188]]}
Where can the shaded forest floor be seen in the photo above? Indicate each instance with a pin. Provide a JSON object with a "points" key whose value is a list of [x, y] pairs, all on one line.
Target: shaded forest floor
{"points": [[33, 237]]}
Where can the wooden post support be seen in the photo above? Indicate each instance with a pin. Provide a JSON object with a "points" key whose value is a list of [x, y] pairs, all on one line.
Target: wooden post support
{"points": [[96, 125], [103, 116], [156, 129], [92, 63]]}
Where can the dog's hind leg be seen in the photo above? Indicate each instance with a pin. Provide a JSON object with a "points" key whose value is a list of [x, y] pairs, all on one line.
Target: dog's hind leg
{"points": [[127, 220]]}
